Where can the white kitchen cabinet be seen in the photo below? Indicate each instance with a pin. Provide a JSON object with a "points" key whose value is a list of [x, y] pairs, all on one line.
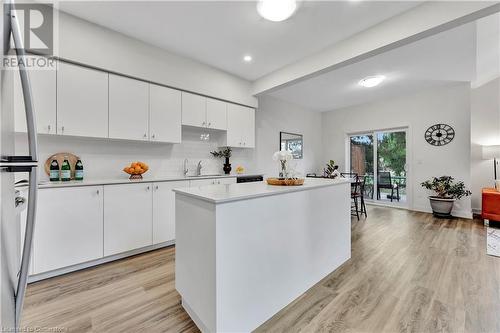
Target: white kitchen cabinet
{"points": [[164, 210], [216, 114], [165, 113], [212, 181], [128, 108], [240, 126], [194, 109], [43, 87], [69, 227], [127, 217], [82, 101]]}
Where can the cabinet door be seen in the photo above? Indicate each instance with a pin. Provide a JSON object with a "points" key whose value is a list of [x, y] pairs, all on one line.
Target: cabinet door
{"points": [[82, 101], [216, 114], [165, 114], [164, 210], [236, 122], [226, 181], [68, 228], [249, 139], [43, 87], [201, 182], [128, 222], [128, 108], [194, 112]]}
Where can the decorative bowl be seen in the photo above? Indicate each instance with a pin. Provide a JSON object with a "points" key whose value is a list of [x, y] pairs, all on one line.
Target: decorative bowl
{"points": [[136, 170]]}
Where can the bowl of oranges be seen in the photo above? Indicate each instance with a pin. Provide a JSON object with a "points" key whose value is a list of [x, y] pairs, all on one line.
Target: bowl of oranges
{"points": [[136, 169]]}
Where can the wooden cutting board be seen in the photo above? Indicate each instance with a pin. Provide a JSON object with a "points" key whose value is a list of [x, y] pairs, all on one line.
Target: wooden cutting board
{"points": [[72, 158], [285, 182]]}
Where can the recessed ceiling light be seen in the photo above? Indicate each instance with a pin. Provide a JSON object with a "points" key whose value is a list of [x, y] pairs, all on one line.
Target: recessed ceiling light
{"points": [[247, 58], [371, 81], [276, 10]]}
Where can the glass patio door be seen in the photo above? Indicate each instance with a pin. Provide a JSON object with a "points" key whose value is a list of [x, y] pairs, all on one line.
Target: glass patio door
{"points": [[384, 154]]}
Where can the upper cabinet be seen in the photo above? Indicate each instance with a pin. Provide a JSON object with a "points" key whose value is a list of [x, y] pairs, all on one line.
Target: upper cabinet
{"points": [[165, 114], [204, 112], [216, 114], [43, 87], [240, 126], [128, 108], [194, 109], [82, 101]]}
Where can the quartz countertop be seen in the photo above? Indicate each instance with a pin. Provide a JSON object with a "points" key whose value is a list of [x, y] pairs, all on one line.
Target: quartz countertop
{"points": [[146, 179], [234, 192]]}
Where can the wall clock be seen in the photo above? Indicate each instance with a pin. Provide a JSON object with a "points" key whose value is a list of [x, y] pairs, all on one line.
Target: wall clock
{"points": [[439, 134]]}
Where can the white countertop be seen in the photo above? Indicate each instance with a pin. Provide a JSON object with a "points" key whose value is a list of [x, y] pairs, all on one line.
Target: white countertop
{"points": [[125, 180], [242, 191]]}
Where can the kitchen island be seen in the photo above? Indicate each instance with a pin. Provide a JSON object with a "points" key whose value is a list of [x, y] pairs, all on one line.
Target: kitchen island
{"points": [[245, 251]]}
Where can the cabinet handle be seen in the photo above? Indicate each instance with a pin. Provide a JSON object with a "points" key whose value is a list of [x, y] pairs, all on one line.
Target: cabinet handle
{"points": [[48, 129], [203, 123], [156, 187], [62, 129], [153, 136], [145, 135], [244, 143], [98, 192], [209, 124]]}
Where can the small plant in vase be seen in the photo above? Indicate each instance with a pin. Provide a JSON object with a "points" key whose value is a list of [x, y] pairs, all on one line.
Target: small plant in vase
{"points": [[225, 153], [283, 156], [331, 170]]}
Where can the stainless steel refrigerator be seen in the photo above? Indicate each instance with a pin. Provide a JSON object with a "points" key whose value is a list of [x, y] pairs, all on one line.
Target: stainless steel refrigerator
{"points": [[13, 262]]}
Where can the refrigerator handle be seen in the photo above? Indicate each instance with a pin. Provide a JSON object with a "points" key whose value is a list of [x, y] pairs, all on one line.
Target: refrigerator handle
{"points": [[25, 83], [28, 241], [33, 151]]}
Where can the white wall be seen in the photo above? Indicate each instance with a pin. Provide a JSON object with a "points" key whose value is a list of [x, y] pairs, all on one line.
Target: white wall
{"points": [[485, 130], [88, 43], [275, 115], [448, 104]]}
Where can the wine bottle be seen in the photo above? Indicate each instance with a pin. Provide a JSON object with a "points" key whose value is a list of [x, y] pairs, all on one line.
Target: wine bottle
{"points": [[65, 170], [79, 170], [54, 171]]}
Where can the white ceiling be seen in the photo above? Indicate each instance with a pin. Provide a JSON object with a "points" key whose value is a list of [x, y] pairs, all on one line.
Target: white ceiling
{"points": [[441, 59], [219, 33]]}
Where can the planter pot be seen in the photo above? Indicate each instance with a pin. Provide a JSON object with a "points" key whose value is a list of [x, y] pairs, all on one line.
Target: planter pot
{"points": [[441, 207], [227, 167]]}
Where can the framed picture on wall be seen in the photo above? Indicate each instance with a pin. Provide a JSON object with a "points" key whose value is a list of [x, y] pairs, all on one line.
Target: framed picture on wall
{"points": [[293, 143]]}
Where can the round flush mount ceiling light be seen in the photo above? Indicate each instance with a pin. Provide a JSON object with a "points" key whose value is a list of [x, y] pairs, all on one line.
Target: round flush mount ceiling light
{"points": [[371, 81], [247, 58], [276, 10]]}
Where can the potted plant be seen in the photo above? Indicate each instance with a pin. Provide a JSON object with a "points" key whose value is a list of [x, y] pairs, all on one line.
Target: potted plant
{"points": [[331, 170], [447, 192], [226, 153]]}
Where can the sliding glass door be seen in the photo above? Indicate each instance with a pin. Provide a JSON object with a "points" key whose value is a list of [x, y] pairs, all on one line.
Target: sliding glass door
{"points": [[384, 154]]}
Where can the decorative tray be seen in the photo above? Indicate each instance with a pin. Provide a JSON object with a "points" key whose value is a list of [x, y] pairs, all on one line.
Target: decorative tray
{"points": [[285, 182]]}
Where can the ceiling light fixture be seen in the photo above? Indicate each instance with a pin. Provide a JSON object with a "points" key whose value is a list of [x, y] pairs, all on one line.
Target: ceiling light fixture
{"points": [[371, 81], [276, 10], [247, 58]]}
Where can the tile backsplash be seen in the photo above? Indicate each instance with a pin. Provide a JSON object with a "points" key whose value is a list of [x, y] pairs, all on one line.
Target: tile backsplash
{"points": [[105, 158]]}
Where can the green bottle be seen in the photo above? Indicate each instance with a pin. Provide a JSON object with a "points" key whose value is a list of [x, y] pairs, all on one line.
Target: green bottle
{"points": [[65, 170], [54, 171], [79, 170]]}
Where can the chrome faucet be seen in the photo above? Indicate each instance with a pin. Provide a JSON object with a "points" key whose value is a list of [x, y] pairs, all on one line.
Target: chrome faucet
{"points": [[185, 167], [198, 169]]}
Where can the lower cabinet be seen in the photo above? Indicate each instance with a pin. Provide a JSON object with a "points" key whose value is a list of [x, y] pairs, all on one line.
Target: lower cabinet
{"points": [[68, 229], [164, 210], [127, 217]]}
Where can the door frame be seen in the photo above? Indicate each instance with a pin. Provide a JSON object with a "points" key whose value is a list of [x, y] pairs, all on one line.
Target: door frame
{"points": [[409, 154]]}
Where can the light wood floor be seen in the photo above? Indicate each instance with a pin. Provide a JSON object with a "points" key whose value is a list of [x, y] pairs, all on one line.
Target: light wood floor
{"points": [[409, 272]]}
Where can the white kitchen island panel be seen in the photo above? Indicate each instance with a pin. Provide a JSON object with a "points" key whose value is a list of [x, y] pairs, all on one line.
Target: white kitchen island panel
{"points": [[238, 262]]}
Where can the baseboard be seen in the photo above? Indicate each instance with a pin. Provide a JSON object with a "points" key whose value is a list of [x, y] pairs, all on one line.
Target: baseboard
{"points": [[457, 213]]}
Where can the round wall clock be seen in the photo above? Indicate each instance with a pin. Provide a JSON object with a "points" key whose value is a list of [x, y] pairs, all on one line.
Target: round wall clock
{"points": [[439, 134]]}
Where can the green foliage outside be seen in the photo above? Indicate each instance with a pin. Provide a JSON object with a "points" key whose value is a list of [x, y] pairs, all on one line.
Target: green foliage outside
{"points": [[392, 152]]}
